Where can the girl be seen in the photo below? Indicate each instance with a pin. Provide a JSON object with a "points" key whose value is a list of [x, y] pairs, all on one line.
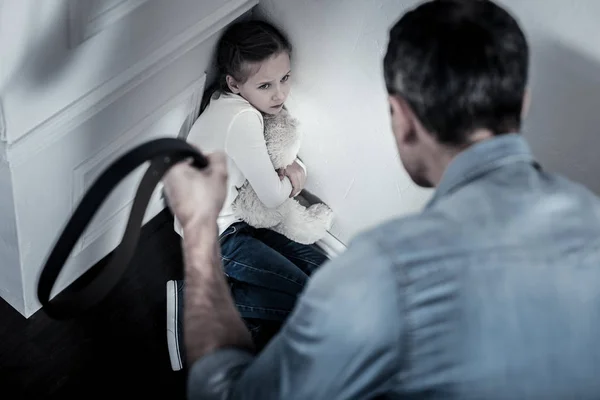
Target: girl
{"points": [[266, 270]]}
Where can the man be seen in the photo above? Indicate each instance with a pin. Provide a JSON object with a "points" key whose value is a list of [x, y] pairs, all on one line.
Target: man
{"points": [[493, 291]]}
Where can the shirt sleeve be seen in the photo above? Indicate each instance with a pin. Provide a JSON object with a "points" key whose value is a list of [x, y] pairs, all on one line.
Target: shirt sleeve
{"points": [[301, 164], [343, 340], [246, 146]]}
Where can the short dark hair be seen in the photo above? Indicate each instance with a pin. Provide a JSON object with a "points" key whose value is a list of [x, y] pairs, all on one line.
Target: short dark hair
{"points": [[241, 44], [461, 65]]}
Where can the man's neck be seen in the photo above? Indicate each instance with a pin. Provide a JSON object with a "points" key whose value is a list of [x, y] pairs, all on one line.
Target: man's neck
{"points": [[445, 154]]}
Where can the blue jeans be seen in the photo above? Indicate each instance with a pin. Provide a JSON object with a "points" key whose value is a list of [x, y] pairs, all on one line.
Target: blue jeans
{"points": [[266, 272]]}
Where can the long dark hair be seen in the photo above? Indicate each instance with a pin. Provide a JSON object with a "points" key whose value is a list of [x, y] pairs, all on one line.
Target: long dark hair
{"points": [[243, 43]]}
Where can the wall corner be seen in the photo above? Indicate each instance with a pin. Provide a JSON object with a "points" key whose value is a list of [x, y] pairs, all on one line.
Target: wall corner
{"points": [[11, 274]]}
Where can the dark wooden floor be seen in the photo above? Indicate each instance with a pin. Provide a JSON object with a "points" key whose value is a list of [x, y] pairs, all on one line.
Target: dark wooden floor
{"points": [[117, 351]]}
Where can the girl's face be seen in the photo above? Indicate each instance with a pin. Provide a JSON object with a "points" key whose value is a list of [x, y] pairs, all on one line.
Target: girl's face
{"points": [[268, 87]]}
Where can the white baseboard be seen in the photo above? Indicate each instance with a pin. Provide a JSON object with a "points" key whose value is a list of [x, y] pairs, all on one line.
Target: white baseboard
{"points": [[331, 245]]}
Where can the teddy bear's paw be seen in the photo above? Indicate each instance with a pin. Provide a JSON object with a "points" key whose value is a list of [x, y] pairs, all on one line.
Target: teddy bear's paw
{"points": [[306, 225], [322, 214]]}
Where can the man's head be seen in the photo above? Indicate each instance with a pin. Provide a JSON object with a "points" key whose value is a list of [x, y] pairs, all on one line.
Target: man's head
{"points": [[456, 73]]}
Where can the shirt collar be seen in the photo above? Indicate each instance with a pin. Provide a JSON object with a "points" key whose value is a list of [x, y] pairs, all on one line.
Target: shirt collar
{"points": [[481, 158]]}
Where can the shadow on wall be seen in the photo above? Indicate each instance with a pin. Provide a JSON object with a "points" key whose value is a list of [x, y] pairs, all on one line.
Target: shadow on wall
{"points": [[564, 120], [41, 62]]}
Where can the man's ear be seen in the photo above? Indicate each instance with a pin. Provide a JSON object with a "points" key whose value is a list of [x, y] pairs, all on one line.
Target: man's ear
{"points": [[526, 103], [233, 85], [402, 123], [395, 106]]}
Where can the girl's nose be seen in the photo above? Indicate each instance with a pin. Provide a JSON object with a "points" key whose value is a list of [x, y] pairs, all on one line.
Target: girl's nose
{"points": [[279, 95]]}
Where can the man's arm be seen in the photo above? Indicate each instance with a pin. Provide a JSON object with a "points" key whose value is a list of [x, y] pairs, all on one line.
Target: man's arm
{"points": [[211, 320], [343, 340]]}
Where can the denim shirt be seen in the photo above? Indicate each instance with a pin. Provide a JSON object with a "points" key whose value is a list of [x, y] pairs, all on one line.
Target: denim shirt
{"points": [[492, 292]]}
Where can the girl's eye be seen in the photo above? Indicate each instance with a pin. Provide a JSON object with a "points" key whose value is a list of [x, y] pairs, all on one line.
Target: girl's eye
{"points": [[265, 86], [285, 78]]}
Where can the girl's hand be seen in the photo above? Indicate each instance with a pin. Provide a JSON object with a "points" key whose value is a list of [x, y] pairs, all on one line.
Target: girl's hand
{"points": [[297, 176], [281, 173]]}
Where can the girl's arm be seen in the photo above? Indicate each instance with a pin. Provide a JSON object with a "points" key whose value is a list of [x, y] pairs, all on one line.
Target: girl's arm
{"points": [[246, 146]]}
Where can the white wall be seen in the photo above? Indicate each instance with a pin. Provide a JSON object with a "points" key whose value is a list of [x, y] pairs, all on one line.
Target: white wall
{"points": [[340, 98], [82, 82], [564, 124]]}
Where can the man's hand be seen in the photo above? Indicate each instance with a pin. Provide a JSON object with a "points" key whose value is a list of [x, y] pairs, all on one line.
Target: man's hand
{"points": [[197, 196], [297, 177], [210, 318]]}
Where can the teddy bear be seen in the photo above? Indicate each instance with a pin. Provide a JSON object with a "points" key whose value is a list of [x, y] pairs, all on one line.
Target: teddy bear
{"points": [[299, 223]]}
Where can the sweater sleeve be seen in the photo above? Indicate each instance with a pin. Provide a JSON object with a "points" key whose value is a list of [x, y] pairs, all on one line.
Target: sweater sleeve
{"points": [[245, 144], [301, 164]]}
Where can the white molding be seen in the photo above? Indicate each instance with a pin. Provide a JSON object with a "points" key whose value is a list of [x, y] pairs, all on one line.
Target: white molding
{"points": [[125, 142], [61, 123], [83, 24], [90, 236], [331, 245]]}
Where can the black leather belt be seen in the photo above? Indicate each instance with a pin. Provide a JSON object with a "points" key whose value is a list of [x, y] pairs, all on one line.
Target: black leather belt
{"points": [[162, 154]]}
